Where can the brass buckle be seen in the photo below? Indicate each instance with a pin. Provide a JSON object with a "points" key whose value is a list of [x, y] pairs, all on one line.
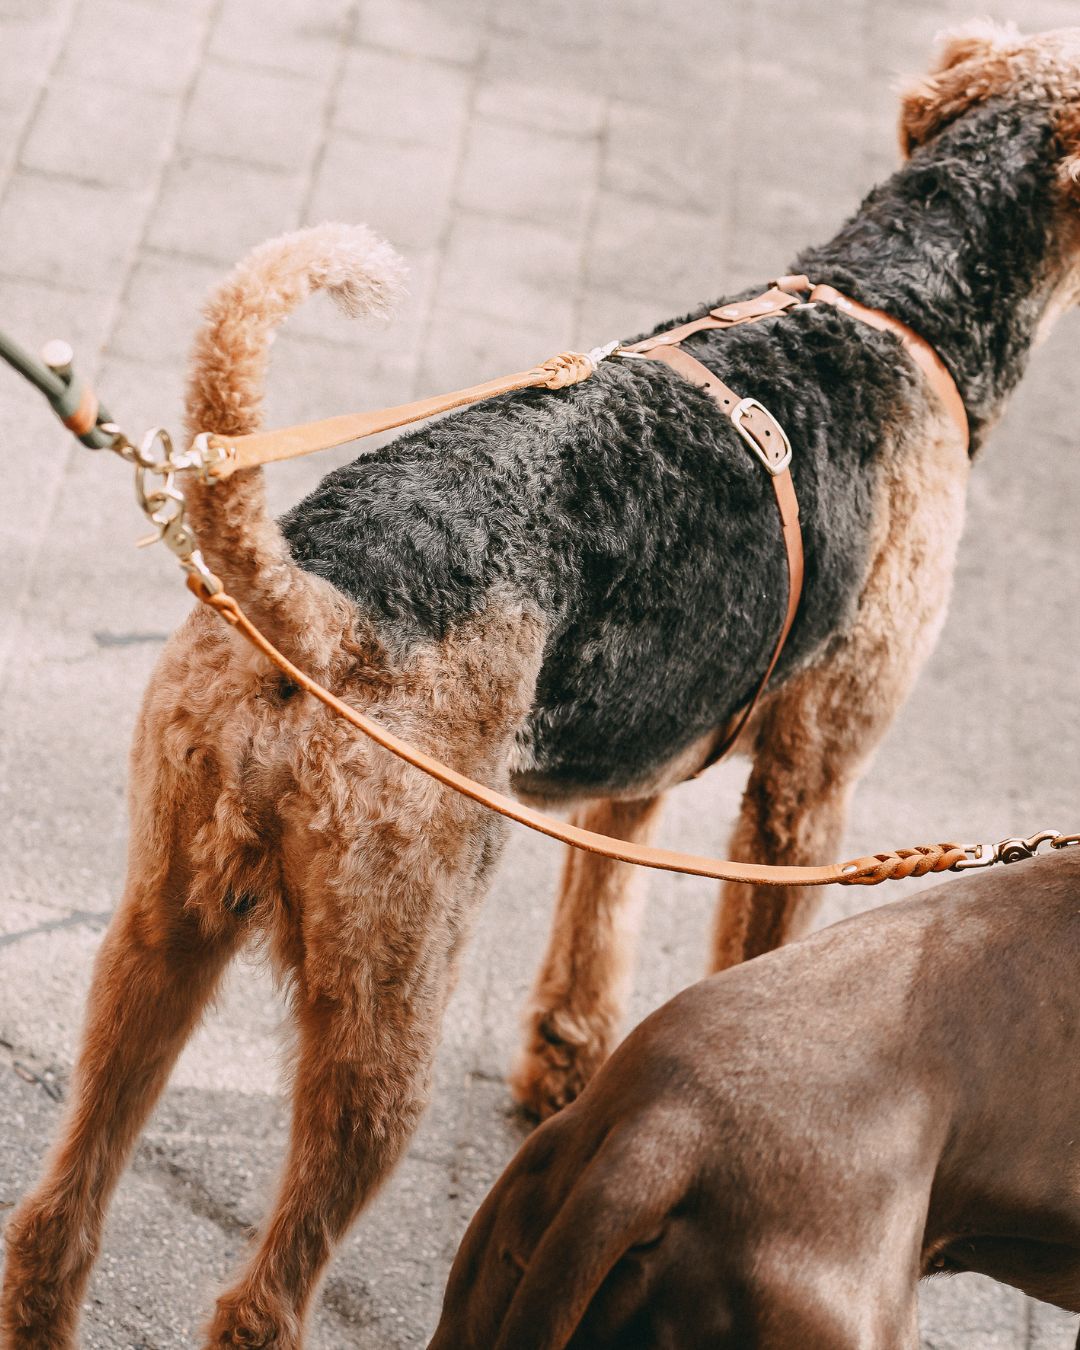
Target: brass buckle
{"points": [[773, 466]]}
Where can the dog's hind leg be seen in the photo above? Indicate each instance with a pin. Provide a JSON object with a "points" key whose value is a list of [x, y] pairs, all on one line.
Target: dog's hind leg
{"points": [[817, 733], [580, 993], [382, 871], [374, 967], [154, 974]]}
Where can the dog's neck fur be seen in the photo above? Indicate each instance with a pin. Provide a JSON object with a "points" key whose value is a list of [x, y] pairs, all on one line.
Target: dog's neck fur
{"points": [[961, 245]]}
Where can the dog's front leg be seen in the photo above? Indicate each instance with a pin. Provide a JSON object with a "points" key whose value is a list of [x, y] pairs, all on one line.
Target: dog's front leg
{"points": [[581, 989], [816, 735]]}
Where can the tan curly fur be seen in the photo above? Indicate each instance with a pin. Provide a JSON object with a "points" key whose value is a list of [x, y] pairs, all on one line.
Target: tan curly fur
{"points": [[258, 817]]}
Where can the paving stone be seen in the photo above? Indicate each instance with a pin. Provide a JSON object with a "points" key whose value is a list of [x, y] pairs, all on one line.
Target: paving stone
{"points": [[215, 209], [1050, 1328], [92, 130], [968, 1310], [674, 253], [603, 316], [37, 310], [289, 35], [517, 102], [511, 270], [262, 117], [651, 155], [423, 28], [635, 54], [32, 36], [68, 233], [401, 191], [462, 347], [533, 175], [161, 308], [402, 98], [135, 44]]}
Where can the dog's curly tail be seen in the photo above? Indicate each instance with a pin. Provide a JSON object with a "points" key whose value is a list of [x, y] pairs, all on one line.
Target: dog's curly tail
{"points": [[238, 538]]}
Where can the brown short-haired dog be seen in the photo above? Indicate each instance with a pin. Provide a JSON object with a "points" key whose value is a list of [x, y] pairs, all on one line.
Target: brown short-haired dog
{"points": [[566, 594], [774, 1158]]}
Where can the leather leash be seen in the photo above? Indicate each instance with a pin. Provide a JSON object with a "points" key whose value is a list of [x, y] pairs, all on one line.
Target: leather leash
{"points": [[223, 456], [164, 506], [866, 871], [869, 870]]}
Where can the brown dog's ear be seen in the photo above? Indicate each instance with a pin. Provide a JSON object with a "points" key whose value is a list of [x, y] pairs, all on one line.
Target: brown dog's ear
{"points": [[973, 64]]}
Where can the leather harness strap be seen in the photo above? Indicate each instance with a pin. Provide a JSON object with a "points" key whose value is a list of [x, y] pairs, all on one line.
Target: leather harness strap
{"points": [[925, 357], [765, 436]]}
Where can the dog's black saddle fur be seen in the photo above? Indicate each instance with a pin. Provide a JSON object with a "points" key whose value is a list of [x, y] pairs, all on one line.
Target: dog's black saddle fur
{"points": [[628, 512]]}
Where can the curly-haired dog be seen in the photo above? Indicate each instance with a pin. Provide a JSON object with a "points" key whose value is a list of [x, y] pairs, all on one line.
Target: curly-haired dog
{"points": [[563, 593], [775, 1157]]}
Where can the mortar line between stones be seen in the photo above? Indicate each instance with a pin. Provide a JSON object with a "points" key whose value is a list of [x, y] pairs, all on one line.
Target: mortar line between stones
{"points": [[58, 484], [91, 917], [442, 245], [348, 41]]}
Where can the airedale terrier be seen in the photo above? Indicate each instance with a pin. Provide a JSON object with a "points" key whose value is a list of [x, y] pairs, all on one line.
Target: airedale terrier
{"points": [[561, 593]]}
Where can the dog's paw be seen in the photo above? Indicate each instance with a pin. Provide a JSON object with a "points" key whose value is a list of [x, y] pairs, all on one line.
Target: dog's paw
{"points": [[556, 1063], [241, 1323], [39, 1307]]}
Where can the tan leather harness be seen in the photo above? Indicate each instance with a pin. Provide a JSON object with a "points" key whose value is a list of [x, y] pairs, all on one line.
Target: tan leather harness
{"points": [[762, 433], [157, 466], [765, 437]]}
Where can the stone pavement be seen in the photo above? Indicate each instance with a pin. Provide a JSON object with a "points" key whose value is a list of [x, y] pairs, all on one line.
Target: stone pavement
{"points": [[557, 172]]}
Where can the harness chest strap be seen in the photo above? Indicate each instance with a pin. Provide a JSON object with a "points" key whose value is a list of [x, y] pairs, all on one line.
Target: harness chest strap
{"points": [[767, 439]]}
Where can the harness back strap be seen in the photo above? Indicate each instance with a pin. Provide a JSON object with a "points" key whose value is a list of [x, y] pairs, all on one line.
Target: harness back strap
{"points": [[925, 357]]}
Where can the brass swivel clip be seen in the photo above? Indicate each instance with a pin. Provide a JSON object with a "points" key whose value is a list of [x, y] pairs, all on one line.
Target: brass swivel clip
{"points": [[1014, 849], [157, 463]]}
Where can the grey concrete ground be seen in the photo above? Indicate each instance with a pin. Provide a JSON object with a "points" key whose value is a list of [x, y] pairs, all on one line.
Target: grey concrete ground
{"points": [[554, 172]]}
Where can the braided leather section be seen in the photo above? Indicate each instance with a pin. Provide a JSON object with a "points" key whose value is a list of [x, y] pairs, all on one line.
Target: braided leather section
{"points": [[903, 863], [566, 368]]}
